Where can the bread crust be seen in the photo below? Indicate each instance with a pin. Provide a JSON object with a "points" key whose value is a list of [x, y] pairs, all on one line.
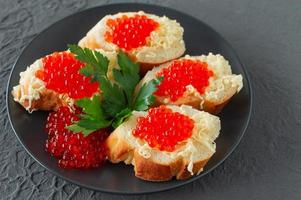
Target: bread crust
{"points": [[118, 149], [89, 42], [214, 108], [208, 106], [192, 97], [32, 93], [145, 168], [148, 55], [149, 170], [150, 164], [145, 67], [49, 100]]}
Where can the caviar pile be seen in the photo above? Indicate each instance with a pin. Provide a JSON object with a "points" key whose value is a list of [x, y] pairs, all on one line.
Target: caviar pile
{"points": [[161, 128], [61, 74], [181, 73], [130, 32], [74, 150]]}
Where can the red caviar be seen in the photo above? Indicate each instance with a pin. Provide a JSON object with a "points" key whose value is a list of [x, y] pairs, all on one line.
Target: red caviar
{"points": [[61, 74], [182, 73], [163, 129], [74, 150], [130, 32]]}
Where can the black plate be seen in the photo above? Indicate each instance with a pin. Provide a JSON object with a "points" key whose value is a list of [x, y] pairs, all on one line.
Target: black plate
{"points": [[199, 39]]}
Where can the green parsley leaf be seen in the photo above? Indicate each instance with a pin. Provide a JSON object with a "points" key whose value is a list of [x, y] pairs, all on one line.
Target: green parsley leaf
{"points": [[145, 96], [121, 117], [117, 97], [93, 117], [128, 77], [93, 124], [91, 107], [87, 71], [77, 129], [93, 60], [126, 64], [113, 97]]}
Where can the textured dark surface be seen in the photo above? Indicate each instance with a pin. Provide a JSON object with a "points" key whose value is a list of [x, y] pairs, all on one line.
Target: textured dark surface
{"points": [[266, 165]]}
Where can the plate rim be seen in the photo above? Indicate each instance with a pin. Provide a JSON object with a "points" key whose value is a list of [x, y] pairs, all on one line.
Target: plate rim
{"points": [[167, 188]]}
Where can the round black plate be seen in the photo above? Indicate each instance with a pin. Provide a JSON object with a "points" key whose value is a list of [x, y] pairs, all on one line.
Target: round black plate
{"points": [[199, 39]]}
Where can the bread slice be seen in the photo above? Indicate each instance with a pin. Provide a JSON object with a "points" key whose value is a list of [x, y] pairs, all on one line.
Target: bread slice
{"points": [[188, 159], [32, 94], [222, 86], [164, 43]]}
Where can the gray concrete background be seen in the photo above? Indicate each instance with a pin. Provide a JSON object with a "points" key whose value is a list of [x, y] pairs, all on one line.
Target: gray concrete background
{"points": [[266, 165]]}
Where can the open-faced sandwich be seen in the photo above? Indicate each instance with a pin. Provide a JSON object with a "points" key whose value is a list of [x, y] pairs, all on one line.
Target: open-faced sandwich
{"points": [[205, 82], [147, 38], [54, 81], [165, 141]]}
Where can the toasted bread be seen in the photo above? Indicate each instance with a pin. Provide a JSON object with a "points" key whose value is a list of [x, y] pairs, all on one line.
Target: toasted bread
{"points": [[32, 94], [189, 157], [164, 43], [222, 85]]}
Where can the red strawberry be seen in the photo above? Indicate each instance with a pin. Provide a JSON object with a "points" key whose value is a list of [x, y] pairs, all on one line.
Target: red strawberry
{"points": [[61, 74], [130, 32], [73, 150]]}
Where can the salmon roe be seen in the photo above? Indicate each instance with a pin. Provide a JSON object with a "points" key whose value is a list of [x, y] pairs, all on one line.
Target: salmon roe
{"points": [[130, 32], [163, 129], [180, 74], [74, 150], [61, 74]]}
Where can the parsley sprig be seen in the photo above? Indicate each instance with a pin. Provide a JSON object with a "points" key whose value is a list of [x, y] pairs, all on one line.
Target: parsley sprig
{"points": [[118, 98]]}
